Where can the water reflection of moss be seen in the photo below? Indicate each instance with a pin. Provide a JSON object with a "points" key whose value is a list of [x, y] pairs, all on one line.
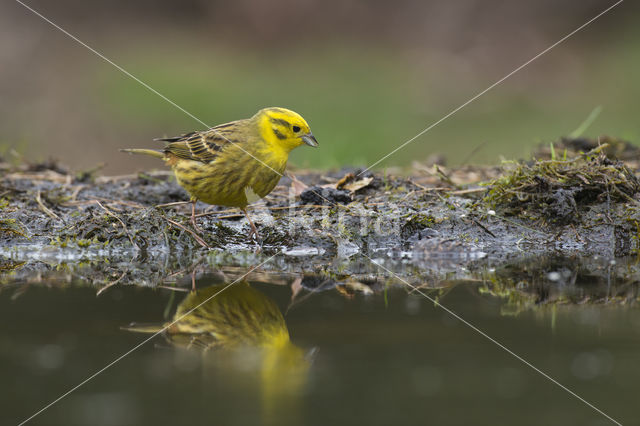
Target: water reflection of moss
{"points": [[515, 301], [545, 283], [9, 265]]}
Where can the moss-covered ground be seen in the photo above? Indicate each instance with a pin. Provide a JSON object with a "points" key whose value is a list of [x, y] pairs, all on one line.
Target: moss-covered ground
{"points": [[427, 226]]}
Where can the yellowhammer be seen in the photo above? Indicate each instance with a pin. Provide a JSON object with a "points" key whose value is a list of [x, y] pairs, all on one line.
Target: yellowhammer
{"points": [[228, 163]]}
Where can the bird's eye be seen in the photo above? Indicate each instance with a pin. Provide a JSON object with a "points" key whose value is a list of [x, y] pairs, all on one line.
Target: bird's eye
{"points": [[296, 129]]}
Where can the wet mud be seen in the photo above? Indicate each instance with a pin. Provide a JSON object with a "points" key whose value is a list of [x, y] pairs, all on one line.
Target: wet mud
{"points": [[428, 226]]}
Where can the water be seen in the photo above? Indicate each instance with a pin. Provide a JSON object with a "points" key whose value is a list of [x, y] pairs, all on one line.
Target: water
{"points": [[352, 357]]}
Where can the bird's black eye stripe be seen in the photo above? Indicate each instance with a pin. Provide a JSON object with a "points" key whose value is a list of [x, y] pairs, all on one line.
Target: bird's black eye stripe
{"points": [[279, 134], [280, 122], [296, 129]]}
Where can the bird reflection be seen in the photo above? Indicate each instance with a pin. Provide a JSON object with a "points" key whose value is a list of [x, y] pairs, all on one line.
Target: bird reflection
{"points": [[241, 325]]}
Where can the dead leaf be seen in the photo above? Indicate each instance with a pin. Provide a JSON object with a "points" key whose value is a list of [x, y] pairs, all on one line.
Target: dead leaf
{"points": [[345, 179], [358, 185], [297, 186], [349, 183]]}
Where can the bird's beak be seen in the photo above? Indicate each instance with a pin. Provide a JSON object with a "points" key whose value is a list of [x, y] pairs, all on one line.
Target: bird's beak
{"points": [[309, 139]]}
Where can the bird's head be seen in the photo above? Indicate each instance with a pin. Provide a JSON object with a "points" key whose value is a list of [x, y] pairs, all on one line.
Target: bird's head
{"points": [[284, 128]]}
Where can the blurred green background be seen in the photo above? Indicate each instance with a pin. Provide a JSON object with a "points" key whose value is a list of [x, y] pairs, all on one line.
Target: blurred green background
{"points": [[367, 75]]}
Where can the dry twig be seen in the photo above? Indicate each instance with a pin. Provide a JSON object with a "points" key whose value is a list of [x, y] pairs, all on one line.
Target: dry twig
{"points": [[126, 231], [45, 208], [195, 236]]}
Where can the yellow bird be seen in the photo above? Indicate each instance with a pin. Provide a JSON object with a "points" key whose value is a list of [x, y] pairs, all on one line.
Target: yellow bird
{"points": [[229, 163]]}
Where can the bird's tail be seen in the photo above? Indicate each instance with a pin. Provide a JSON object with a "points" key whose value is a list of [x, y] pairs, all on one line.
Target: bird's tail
{"points": [[144, 328], [151, 152]]}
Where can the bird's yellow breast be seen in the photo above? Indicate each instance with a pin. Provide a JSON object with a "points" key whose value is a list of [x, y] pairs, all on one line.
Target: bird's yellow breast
{"points": [[234, 176]]}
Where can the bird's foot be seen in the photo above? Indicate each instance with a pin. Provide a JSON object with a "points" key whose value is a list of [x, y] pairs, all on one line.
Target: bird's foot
{"points": [[193, 217], [254, 232], [195, 226], [255, 236]]}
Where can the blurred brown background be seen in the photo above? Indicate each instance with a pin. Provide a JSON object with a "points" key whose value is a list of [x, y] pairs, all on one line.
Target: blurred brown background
{"points": [[367, 75]]}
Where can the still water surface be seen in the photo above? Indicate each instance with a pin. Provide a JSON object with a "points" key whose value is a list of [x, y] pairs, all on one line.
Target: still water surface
{"points": [[250, 356]]}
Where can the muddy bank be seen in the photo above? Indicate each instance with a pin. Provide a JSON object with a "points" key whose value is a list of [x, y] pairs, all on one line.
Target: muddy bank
{"points": [[427, 224]]}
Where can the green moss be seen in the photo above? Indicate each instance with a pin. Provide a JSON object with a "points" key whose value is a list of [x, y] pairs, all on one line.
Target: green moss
{"points": [[12, 226], [415, 223], [554, 189], [59, 242], [83, 242], [421, 220]]}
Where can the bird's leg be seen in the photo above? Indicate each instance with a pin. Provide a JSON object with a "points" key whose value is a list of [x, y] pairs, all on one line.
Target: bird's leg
{"points": [[254, 230], [193, 216]]}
